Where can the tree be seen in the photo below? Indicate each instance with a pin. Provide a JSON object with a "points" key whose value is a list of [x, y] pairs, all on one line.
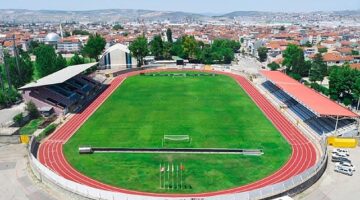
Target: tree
{"points": [[17, 119], [207, 55], [167, 50], [25, 68], [177, 48], [94, 46], [356, 90], [32, 110], [45, 60], [273, 66], [241, 40], [308, 44], [225, 43], [80, 32], [282, 28], [8, 96], [139, 49], [334, 83], [76, 60], [322, 50], [341, 82], [169, 35], [190, 47], [2, 82], [294, 61], [32, 45], [354, 52], [67, 34], [60, 62], [318, 69], [222, 51], [3, 100], [157, 47], [117, 27], [262, 53]]}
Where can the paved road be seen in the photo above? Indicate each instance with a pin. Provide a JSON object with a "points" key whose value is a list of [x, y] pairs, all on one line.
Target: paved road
{"points": [[7, 114], [16, 179], [248, 64], [335, 186]]}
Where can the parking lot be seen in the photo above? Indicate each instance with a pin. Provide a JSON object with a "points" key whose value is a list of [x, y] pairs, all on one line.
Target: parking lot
{"points": [[336, 186]]}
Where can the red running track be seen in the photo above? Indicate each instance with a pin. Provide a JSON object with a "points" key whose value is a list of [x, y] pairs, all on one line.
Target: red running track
{"points": [[303, 151]]}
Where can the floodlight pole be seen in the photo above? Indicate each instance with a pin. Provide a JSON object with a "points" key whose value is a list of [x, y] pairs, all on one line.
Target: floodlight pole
{"points": [[16, 55]]}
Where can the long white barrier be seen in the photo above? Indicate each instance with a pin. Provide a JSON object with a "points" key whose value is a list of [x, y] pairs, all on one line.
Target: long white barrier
{"points": [[45, 175]]}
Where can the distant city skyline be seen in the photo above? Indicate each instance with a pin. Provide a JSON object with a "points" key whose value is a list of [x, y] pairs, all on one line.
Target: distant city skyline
{"points": [[194, 6]]}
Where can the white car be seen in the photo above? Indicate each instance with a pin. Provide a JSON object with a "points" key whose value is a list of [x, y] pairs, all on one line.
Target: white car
{"points": [[343, 171], [341, 151], [345, 165], [340, 154]]}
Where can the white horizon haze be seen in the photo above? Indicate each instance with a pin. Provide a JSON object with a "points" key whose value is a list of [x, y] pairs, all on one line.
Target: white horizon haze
{"points": [[193, 6]]}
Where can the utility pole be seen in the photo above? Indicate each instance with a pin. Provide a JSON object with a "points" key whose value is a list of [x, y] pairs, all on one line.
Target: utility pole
{"points": [[16, 56], [1, 79], [7, 74], [2, 83]]}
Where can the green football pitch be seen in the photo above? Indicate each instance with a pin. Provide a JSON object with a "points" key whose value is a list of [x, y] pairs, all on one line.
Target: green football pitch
{"points": [[213, 110]]}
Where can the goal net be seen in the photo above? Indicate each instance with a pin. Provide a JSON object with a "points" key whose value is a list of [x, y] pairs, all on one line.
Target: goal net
{"points": [[176, 138]]}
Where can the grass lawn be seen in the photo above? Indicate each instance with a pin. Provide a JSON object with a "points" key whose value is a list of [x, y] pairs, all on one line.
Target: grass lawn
{"points": [[31, 127], [214, 111]]}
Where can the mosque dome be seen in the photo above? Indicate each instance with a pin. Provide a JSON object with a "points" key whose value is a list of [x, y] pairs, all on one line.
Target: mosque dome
{"points": [[52, 37]]}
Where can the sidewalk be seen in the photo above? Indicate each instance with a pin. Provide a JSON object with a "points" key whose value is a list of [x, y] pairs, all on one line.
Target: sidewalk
{"points": [[17, 181]]}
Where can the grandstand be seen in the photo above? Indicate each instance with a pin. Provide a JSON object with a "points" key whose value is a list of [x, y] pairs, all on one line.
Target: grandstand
{"points": [[322, 115], [66, 90]]}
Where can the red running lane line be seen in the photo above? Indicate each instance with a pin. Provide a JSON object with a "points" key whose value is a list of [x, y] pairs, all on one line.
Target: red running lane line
{"points": [[303, 151]]}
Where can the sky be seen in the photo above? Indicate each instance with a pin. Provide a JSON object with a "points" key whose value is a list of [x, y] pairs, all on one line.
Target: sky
{"points": [[195, 6]]}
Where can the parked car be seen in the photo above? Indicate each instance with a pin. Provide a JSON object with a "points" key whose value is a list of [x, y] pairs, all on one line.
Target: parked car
{"points": [[336, 154], [343, 171], [345, 165], [341, 151], [340, 159]]}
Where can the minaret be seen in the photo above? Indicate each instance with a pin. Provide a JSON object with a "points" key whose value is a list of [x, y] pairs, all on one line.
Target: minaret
{"points": [[61, 32]]}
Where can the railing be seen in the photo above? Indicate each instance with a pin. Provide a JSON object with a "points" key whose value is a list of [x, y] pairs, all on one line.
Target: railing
{"points": [[292, 185]]}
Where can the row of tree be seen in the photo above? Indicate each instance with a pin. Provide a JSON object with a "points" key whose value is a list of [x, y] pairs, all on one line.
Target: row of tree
{"points": [[221, 51], [344, 82], [19, 70]]}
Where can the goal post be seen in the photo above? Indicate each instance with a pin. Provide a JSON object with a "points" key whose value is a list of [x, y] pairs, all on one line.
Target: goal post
{"points": [[176, 138]]}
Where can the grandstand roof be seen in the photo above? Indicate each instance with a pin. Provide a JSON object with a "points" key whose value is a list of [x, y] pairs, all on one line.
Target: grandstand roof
{"points": [[59, 76], [311, 99]]}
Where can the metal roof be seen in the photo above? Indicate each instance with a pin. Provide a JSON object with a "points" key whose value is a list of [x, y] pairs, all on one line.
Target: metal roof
{"points": [[117, 46], [310, 98], [59, 76]]}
